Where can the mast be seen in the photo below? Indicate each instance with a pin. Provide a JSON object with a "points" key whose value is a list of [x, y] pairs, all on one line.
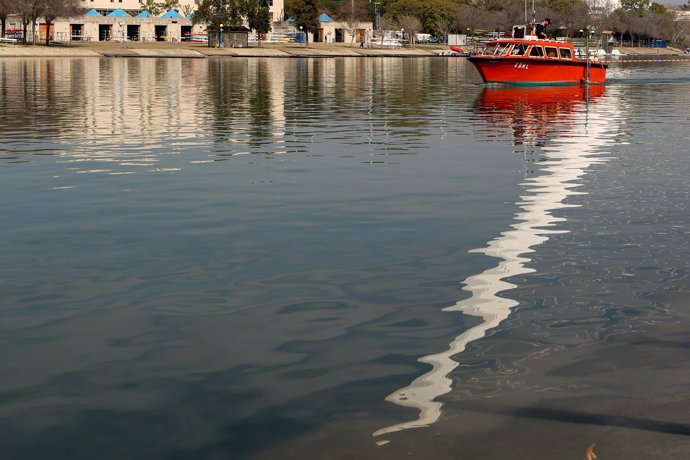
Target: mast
{"points": [[534, 14], [534, 19]]}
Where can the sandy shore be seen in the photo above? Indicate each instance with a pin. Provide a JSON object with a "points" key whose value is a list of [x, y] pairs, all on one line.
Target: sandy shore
{"points": [[196, 50]]}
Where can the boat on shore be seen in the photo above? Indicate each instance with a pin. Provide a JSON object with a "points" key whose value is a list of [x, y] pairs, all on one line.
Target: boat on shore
{"points": [[527, 60]]}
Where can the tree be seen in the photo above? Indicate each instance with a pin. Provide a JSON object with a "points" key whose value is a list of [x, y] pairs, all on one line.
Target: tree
{"points": [[150, 6], [29, 11], [385, 25], [351, 14], [306, 15], [167, 5], [258, 17], [411, 25], [637, 6], [7, 7], [428, 12], [187, 10], [59, 9], [230, 13]]}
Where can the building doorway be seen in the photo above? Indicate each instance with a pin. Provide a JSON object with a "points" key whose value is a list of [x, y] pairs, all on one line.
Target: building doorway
{"points": [[43, 31], [161, 32], [104, 31], [186, 32], [76, 32], [133, 32]]}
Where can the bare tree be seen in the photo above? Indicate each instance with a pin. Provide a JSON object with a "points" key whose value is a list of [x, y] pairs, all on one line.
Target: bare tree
{"points": [[7, 7], [28, 11], [54, 9], [35, 10], [441, 26], [386, 24], [680, 31], [351, 14], [187, 10], [411, 25]]}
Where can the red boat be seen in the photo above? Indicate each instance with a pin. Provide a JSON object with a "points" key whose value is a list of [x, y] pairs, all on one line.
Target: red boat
{"points": [[531, 61]]}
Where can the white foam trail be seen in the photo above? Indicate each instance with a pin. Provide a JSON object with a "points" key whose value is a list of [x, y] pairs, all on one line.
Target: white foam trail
{"points": [[566, 163]]}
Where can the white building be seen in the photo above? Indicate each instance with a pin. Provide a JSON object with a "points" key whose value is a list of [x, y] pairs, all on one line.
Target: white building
{"points": [[115, 20]]}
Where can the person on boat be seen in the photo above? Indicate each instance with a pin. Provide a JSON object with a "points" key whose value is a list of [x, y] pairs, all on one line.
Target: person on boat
{"points": [[540, 29]]}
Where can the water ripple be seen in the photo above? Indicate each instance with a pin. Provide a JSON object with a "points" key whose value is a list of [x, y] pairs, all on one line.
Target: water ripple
{"points": [[566, 159]]}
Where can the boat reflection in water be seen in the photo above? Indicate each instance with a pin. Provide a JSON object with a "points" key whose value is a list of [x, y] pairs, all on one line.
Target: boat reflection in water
{"points": [[533, 115], [570, 134]]}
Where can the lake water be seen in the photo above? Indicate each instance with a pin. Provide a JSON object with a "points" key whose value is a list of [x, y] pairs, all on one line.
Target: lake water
{"points": [[351, 258]]}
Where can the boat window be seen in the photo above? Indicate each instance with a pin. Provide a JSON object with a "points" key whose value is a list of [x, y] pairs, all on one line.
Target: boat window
{"points": [[565, 53], [536, 51], [518, 50], [551, 52]]}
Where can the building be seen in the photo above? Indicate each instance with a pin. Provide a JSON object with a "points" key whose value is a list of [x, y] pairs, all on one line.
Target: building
{"points": [[331, 31], [118, 20]]}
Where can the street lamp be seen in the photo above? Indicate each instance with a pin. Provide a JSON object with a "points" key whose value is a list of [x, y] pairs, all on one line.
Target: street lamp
{"points": [[402, 35], [220, 37], [302, 37], [122, 26]]}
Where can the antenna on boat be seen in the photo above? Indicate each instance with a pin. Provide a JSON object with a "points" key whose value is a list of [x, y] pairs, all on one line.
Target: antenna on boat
{"points": [[525, 12], [534, 14]]}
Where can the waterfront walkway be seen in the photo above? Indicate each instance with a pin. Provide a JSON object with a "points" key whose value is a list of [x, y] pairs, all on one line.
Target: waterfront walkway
{"points": [[286, 50], [196, 50]]}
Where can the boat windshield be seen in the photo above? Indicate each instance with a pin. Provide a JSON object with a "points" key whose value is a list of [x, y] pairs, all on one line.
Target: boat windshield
{"points": [[490, 50], [496, 49], [518, 50], [502, 49]]}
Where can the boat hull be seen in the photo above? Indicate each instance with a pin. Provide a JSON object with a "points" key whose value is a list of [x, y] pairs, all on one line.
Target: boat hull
{"points": [[512, 70]]}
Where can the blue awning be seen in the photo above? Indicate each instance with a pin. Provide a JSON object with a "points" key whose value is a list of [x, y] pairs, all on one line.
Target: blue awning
{"points": [[92, 12], [118, 13], [172, 14], [325, 18], [143, 14]]}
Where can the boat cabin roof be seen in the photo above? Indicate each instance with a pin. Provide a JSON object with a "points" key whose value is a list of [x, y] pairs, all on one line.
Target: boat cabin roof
{"points": [[531, 48], [530, 40]]}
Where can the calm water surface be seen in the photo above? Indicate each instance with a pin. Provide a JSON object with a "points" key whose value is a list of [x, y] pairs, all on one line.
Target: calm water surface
{"points": [[341, 259]]}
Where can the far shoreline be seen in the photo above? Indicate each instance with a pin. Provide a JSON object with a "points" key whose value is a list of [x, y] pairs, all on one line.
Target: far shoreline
{"points": [[267, 49]]}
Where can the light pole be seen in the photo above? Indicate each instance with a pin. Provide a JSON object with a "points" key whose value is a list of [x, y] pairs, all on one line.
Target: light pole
{"points": [[302, 37], [220, 37], [122, 25], [402, 35]]}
